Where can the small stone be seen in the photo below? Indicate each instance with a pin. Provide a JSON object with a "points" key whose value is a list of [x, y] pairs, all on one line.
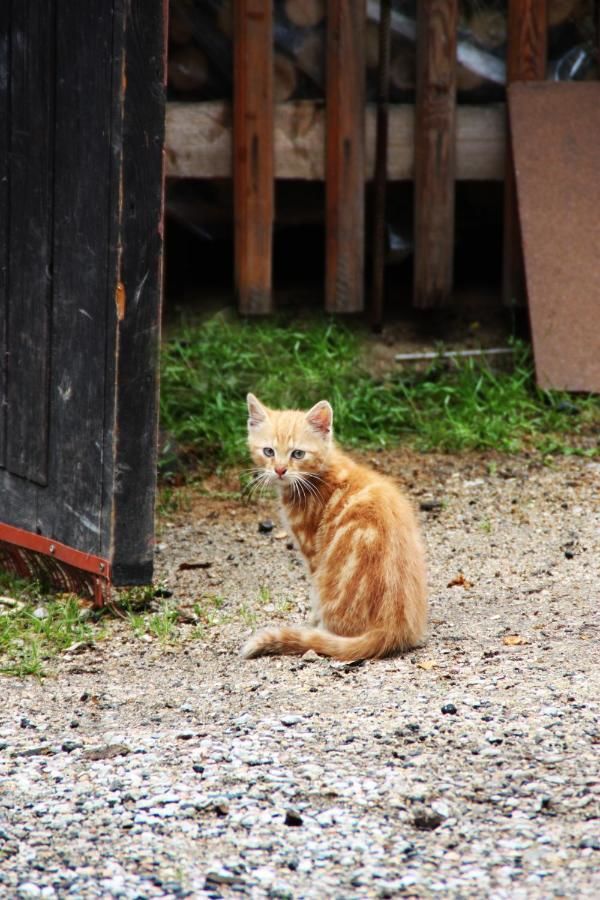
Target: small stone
{"points": [[40, 612], [69, 746], [266, 526], [28, 889], [288, 721], [449, 709], [292, 818], [198, 768], [427, 820], [590, 843], [221, 876], [311, 656]]}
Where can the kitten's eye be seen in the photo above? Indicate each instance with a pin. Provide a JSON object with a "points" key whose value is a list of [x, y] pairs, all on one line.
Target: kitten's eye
{"points": [[268, 451], [298, 454]]}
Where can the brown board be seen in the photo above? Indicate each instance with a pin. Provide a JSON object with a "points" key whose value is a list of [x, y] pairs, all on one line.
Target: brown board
{"points": [[555, 139]]}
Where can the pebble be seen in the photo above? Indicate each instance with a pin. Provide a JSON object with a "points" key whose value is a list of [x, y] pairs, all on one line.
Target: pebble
{"points": [[266, 526]]}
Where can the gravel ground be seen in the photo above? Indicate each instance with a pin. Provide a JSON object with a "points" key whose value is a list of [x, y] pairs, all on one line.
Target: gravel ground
{"points": [[468, 768]]}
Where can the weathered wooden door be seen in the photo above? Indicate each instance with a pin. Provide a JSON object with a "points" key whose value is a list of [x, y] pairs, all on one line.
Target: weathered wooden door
{"points": [[81, 144]]}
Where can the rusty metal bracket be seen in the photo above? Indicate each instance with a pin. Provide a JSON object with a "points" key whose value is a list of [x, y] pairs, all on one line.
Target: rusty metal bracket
{"points": [[29, 555]]}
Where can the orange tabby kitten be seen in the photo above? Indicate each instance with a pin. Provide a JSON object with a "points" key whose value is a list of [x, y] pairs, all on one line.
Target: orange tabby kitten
{"points": [[358, 536]]}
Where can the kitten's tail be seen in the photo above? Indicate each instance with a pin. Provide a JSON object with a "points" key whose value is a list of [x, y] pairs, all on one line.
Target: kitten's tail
{"points": [[290, 641]]}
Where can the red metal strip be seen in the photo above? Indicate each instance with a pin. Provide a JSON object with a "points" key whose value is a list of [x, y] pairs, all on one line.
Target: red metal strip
{"points": [[61, 552], [32, 556]]}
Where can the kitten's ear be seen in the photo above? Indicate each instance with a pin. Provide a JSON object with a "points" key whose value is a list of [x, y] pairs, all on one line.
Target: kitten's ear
{"points": [[320, 418], [257, 414]]}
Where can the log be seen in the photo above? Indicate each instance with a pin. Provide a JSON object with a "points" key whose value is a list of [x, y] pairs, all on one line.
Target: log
{"points": [[467, 80], [180, 32], [305, 13], [225, 18], [198, 141], [403, 68], [188, 69], [560, 11], [488, 28], [309, 54], [285, 78]]}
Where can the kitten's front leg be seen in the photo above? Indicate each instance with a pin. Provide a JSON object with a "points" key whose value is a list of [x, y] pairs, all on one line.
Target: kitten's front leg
{"points": [[315, 618]]}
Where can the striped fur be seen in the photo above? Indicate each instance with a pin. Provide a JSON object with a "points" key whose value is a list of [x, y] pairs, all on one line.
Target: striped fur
{"points": [[358, 536]]}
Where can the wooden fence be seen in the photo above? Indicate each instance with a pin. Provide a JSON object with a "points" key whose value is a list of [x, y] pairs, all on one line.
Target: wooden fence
{"points": [[436, 143]]}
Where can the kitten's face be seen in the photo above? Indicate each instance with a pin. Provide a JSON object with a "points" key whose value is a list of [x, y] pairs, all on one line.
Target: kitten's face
{"points": [[287, 445]]}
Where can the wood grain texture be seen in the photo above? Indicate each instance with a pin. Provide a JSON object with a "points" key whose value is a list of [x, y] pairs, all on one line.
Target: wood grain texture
{"points": [[70, 509], [526, 60], [435, 152], [198, 141], [345, 157], [30, 199], [5, 80], [253, 166], [556, 134], [105, 134], [138, 229]]}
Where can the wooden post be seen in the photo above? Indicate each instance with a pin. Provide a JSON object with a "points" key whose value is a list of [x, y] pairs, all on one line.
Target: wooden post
{"points": [[253, 154], [345, 156], [435, 152], [381, 165], [526, 60]]}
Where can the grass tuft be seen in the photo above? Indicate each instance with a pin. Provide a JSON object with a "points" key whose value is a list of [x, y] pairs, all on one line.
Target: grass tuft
{"points": [[452, 406], [36, 624]]}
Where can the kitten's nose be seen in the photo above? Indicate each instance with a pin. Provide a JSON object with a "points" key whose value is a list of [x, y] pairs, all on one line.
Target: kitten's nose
{"points": [[281, 470]]}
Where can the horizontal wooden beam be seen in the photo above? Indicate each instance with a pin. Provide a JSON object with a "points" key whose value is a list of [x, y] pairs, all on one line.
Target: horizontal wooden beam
{"points": [[198, 141]]}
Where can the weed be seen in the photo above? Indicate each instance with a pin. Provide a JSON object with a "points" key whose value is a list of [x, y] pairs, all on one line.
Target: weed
{"points": [[161, 624], [36, 624], [460, 405]]}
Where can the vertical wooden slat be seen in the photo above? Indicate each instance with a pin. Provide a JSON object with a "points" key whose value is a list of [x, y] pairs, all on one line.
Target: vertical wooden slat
{"points": [[30, 240], [71, 507], [253, 157], [435, 152], [345, 156], [138, 324], [527, 51], [5, 9], [381, 157]]}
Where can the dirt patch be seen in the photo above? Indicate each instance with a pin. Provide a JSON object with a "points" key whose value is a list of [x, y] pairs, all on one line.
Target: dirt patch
{"points": [[467, 768]]}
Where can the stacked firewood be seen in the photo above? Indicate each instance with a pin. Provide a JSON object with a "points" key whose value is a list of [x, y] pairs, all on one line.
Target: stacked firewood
{"points": [[201, 58]]}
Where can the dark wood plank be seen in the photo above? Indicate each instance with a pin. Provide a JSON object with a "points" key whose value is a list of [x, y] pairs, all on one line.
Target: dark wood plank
{"points": [[435, 152], [30, 239], [345, 157], [253, 154], [71, 511], [140, 274], [5, 16], [526, 60]]}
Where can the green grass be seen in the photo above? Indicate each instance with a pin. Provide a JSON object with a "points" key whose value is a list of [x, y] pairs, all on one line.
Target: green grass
{"points": [[452, 406], [28, 641]]}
